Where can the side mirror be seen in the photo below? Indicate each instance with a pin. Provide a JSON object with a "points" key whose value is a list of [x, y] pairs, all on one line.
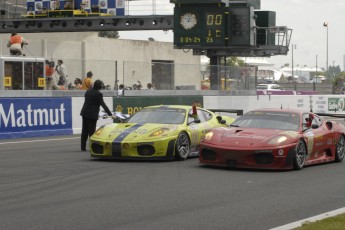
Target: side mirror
{"points": [[197, 120], [220, 120], [314, 126]]}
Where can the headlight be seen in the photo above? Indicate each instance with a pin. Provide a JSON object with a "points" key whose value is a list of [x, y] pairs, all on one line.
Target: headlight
{"points": [[277, 140], [208, 136], [159, 132], [99, 130]]}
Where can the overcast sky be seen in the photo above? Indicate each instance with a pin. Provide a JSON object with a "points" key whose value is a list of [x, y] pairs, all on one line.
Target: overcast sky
{"points": [[304, 17]]}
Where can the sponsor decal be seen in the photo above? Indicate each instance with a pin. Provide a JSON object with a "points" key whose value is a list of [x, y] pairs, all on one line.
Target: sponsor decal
{"points": [[133, 129], [309, 134], [131, 105], [145, 143], [300, 103], [133, 110], [126, 132], [243, 135], [310, 145]]}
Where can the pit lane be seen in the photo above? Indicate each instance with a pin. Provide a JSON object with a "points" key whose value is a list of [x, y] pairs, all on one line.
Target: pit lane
{"points": [[48, 183]]}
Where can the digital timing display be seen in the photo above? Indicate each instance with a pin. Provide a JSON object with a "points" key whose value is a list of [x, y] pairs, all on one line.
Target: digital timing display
{"points": [[196, 27], [214, 28]]}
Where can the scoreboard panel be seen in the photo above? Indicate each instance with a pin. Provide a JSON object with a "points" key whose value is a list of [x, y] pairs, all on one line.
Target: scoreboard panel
{"points": [[199, 26]]}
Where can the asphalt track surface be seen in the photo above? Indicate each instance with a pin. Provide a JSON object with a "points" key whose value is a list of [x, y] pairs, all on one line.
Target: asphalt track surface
{"points": [[48, 183]]}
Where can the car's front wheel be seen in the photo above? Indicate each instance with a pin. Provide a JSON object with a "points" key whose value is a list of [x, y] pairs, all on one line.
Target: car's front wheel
{"points": [[340, 149], [182, 147], [300, 155]]}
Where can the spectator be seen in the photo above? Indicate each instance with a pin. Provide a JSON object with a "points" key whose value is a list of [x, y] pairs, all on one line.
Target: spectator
{"points": [[61, 83], [49, 68], [78, 83], [121, 90], [90, 111], [137, 86], [87, 82], [62, 72], [16, 43], [149, 86], [140, 86]]}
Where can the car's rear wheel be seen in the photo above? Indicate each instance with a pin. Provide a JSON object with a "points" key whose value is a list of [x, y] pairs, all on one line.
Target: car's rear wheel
{"points": [[182, 147], [300, 155], [340, 149]]}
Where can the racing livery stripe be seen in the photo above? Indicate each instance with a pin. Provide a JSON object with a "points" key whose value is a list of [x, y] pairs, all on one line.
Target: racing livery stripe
{"points": [[125, 133], [116, 145]]}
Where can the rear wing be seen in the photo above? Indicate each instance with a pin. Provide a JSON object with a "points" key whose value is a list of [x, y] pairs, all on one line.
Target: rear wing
{"points": [[239, 112]]}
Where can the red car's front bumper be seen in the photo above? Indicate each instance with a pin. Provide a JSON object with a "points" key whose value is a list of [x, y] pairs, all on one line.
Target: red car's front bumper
{"points": [[269, 158]]}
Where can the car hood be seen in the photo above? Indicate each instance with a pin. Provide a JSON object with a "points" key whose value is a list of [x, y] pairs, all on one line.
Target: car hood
{"points": [[135, 131], [252, 137]]}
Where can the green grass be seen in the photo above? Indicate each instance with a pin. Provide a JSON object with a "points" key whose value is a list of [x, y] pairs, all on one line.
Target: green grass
{"points": [[331, 223]]}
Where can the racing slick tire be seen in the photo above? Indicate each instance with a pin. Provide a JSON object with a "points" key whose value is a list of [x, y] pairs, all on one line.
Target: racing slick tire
{"points": [[340, 149], [300, 155], [182, 147]]}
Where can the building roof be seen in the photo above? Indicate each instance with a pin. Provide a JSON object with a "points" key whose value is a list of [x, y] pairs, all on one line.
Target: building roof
{"points": [[258, 61], [303, 69]]}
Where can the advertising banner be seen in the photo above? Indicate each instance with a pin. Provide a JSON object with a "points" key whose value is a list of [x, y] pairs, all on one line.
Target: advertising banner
{"points": [[131, 105], [32, 117], [336, 104]]}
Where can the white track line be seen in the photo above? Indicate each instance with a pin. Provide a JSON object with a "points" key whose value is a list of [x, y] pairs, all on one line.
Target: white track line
{"points": [[311, 219], [18, 142]]}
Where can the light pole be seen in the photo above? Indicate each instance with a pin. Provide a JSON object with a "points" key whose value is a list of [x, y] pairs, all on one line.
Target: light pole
{"points": [[316, 77], [325, 24]]}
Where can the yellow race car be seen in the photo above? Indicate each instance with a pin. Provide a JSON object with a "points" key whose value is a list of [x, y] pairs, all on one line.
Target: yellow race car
{"points": [[157, 132]]}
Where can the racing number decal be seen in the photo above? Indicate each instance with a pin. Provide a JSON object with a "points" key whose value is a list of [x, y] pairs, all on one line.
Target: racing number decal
{"points": [[194, 136], [310, 144], [198, 132]]}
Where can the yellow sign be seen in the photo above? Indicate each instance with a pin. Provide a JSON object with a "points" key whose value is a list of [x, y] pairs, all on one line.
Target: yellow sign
{"points": [[8, 81], [41, 82]]}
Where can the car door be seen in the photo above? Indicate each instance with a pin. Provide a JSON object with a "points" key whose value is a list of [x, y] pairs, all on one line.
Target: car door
{"points": [[198, 129], [318, 136]]}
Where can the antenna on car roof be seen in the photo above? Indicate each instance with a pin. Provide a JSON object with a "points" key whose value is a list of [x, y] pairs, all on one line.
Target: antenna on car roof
{"points": [[281, 106]]}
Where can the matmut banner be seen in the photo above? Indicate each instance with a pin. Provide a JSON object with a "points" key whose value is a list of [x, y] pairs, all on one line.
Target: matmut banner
{"points": [[32, 117]]}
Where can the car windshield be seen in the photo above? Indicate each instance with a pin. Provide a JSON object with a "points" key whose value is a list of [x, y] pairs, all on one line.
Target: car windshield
{"points": [[269, 120], [160, 115]]}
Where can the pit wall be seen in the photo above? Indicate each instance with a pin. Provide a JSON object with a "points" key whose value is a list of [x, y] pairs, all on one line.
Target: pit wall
{"points": [[50, 116]]}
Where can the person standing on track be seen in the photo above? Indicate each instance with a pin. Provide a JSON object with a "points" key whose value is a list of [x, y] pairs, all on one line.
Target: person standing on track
{"points": [[90, 111]]}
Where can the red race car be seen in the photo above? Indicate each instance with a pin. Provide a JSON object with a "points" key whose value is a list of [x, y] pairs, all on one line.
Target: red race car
{"points": [[274, 139]]}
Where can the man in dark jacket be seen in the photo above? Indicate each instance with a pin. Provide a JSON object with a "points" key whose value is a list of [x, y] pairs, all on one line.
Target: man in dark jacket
{"points": [[90, 111]]}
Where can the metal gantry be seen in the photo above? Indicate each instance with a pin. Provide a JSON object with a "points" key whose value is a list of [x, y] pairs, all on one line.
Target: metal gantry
{"points": [[83, 24]]}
